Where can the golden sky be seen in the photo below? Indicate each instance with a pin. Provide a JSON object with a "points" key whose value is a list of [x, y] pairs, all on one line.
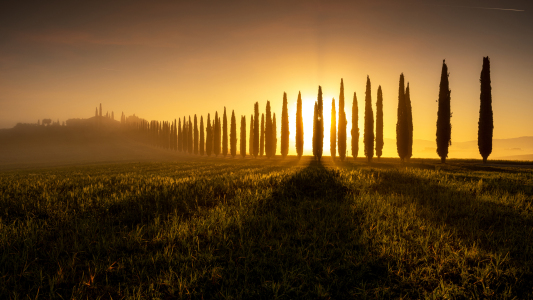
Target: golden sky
{"points": [[164, 60]]}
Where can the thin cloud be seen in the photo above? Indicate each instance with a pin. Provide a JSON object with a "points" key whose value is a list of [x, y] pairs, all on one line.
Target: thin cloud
{"points": [[479, 7]]}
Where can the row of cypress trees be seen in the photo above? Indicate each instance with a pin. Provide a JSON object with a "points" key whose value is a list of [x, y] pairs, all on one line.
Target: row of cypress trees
{"points": [[190, 138]]}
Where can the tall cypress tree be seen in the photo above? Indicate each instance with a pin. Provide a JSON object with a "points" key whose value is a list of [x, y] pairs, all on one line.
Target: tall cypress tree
{"points": [[315, 131], [233, 135], [274, 136], [341, 134], [202, 137], [251, 140], [180, 136], [369, 122], [185, 135], [355, 127], [262, 141], [243, 136], [485, 124], [379, 124], [409, 123], [196, 135], [401, 124], [444, 126], [333, 132], [190, 136], [320, 124], [299, 127], [256, 129], [175, 135], [209, 137], [284, 128], [268, 132], [216, 147], [224, 134]]}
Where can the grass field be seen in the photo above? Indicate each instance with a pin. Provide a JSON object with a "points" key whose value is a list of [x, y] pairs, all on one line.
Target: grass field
{"points": [[224, 228]]}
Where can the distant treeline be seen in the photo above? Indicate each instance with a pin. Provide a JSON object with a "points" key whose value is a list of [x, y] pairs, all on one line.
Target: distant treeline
{"points": [[185, 135]]}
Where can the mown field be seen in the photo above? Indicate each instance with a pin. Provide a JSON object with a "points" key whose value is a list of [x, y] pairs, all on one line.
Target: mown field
{"points": [[280, 229]]}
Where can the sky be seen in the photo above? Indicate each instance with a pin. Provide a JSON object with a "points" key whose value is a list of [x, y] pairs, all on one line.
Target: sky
{"points": [[165, 60]]}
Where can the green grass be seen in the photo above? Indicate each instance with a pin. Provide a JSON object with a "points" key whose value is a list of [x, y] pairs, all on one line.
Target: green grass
{"points": [[223, 228]]}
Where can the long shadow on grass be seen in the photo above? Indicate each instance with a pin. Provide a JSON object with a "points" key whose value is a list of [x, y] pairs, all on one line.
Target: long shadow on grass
{"points": [[475, 218], [304, 241]]}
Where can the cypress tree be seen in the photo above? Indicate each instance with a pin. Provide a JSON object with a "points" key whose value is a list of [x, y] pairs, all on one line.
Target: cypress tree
{"points": [[401, 124], [243, 136], [100, 114], [256, 129], [315, 131], [274, 136], [202, 137], [233, 135], [268, 132], [190, 137], [320, 124], [217, 136], [355, 127], [444, 126], [251, 140], [299, 127], [284, 128], [196, 135], [485, 124], [262, 141], [185, 135], [209, 137], [175, 135], [180, 135], [369, 123], [96, 112], [341, 135], [409, 123], [379, 124], [333, 133], [224, 134]]}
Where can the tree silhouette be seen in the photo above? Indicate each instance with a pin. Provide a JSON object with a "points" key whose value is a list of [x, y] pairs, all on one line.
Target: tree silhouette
{"points": [[284, 128], [190, 137], [180, 136], [196, 135], [100, 114], [444, 127], [355, 127], [379, 124], [224, 134], [185, 136], [262, 141], [319, 141], [251, 140], [401, 123], [341, 135], [274, 136], [217, 136], [409, 123], [333, 132], [96, 112], [485, 125], [243, 136], [209, 137], [315, 131], [268, 132], [256, 129], [369, 123], [202, 137], [233, 134], [299, 127]]}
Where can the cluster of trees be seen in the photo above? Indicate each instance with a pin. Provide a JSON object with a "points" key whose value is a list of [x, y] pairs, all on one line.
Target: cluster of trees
{"points": [[185, 135]]}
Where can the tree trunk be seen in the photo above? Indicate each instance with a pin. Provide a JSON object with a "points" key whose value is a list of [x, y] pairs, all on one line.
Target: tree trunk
{"points": [[484, 160], [443, 160]]}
